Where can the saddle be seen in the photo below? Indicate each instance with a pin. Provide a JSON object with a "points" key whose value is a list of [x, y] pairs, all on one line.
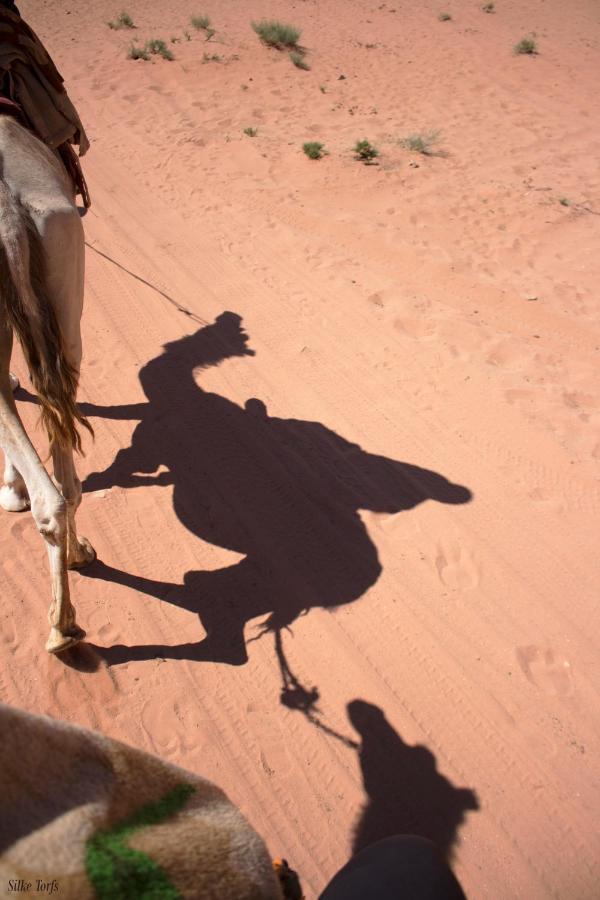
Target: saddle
{"points": [[67, 154]]}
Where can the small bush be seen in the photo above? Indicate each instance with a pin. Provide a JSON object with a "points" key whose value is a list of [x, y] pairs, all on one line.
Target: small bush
{"points": [[298, 60], [123, 20], [158, 48], [313, 149], [365, 151], [251, 132], [488, 7], [564, 202], [322, 88], [421, 143], [526, 45], [444, 17], [200, 22], [137, 53], [214, 58], [276, 34]]}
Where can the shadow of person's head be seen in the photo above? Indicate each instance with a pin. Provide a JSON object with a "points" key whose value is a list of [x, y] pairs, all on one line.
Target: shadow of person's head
{"points": [[406, 792]]}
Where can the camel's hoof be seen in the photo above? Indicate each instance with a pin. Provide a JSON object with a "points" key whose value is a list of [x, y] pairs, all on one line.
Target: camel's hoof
{"points": [[85, 554], [15, 384], [57, 642], [12, 501]]}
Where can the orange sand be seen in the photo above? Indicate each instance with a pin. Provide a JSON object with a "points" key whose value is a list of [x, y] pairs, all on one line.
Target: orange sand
{"points": [[436, 311]]}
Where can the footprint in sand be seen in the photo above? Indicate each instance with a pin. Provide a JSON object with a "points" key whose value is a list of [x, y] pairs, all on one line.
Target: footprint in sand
{"points": [[549, 671], [456, 568], [416, 328], [163, 728], [8, 634]]}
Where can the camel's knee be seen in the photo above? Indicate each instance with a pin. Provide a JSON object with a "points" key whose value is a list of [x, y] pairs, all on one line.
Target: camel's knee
{"points": [[50, 517]]}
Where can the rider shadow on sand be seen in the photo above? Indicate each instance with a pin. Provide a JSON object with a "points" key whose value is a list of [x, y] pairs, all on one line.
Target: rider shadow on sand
{"points": [[284, 493], [406, 793]]}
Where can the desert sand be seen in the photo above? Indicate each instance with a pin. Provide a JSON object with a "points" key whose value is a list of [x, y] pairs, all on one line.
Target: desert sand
{"points": [[344, 487]]}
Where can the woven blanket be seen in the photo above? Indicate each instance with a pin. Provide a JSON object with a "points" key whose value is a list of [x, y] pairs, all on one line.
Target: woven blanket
{"points": [[83, 816]]}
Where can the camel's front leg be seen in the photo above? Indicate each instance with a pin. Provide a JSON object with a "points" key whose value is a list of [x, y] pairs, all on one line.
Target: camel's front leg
{"points": [[49, 511], [79, 550], [13, 493], [64, 631]]}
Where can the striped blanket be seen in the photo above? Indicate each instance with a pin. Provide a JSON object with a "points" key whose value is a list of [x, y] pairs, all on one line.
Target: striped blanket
{"points": [[83, 816]]}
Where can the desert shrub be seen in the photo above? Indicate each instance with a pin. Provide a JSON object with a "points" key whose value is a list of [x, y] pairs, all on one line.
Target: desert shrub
{"points": [[298, 60], [276, 34], [313, 149], [488, 7], [251, 132], [211, 58], [158, 48], [137, 52], [526, 45], [365, 151], [123, 20], [200, 22], [421, 143], [444, 17]]}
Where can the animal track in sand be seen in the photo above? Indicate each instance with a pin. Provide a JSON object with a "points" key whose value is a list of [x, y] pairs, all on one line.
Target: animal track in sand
{"points": [[416, 328], [504, 356], [549, 671], [456, 567], [162, 728]]}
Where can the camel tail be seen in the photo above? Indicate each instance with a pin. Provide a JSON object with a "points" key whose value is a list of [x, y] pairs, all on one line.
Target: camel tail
{"points": [[30, 313]]}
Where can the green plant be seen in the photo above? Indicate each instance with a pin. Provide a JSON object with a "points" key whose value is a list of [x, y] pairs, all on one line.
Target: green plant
{"points": [[421, 143], [158, 48], [444, 17], [137, 53], [200, 22], [298, 59], [365, 151], [488, 7], [123, 20], [526, 45], [251, 132], [276, 34], [313, 149]]}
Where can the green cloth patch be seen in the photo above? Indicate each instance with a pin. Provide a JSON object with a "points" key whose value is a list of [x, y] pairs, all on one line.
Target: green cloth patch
{"points": [[120, 873]]}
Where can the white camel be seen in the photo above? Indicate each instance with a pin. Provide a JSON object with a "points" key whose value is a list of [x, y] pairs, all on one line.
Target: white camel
{"points": [[41, 299]]}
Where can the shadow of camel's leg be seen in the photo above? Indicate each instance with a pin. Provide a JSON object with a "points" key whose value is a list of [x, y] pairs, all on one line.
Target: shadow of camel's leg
{"points": [[47, 506]]}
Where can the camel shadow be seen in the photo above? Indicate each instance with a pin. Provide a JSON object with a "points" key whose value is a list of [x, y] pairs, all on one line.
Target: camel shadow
{"points": [[284, 493]]}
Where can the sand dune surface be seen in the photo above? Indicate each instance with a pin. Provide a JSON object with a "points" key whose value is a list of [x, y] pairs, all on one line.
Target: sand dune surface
{"points": [[344, 487]]}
